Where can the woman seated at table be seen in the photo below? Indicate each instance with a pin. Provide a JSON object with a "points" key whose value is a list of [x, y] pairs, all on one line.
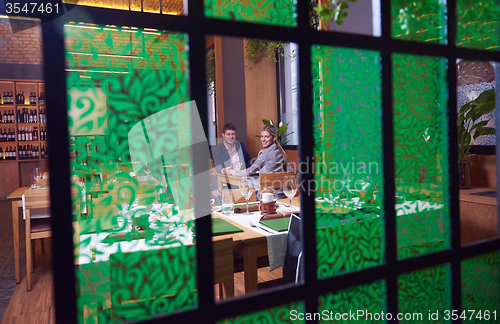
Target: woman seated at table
{"points": [[272, 158]]}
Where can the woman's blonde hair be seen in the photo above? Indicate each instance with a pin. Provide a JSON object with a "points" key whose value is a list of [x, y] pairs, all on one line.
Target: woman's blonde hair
{"points": [[274, 133]]}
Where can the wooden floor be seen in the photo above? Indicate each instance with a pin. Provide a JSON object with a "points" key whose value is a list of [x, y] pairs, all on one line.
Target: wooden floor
{"points": [[35, 306]]}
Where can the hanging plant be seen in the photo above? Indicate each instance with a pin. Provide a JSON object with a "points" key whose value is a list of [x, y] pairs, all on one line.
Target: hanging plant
{"points": [[276, 49], [335, 10]]}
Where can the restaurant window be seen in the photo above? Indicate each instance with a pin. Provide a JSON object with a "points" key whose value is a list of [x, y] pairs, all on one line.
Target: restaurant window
{"points": [[272, 12], [421, 154], [348, 159], [288, 99], [376, 121], [127, 121]]}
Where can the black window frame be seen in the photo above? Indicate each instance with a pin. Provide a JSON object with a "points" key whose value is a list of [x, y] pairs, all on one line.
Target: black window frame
{"points": [[197, 27]]}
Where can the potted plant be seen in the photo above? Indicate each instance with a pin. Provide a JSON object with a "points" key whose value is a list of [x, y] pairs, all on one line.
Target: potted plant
{"points": [[470, 128]]}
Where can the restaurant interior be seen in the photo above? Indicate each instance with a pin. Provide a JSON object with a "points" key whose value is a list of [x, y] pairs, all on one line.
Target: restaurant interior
{"points": [[250, 162]]}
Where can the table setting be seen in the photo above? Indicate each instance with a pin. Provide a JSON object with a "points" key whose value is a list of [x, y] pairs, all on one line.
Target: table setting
{"points": [[266, 216]]}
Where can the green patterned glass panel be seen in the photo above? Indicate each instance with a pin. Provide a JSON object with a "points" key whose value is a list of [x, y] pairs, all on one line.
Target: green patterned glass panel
{"points": [[423, 293], [481, 288], [361, 304], [130, 129], [348, 159], [420, 21], [421, 154], [290, 313], [271, 12], [478, 24]]}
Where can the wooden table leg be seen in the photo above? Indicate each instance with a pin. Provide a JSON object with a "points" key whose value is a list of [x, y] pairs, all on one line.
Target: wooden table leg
{"points": [[15, 224], [250, 267]]}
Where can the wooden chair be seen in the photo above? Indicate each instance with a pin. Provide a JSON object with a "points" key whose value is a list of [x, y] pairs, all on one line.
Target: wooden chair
{"points": [[226, 180], [224, 267], [37, 212], [275, 180]]}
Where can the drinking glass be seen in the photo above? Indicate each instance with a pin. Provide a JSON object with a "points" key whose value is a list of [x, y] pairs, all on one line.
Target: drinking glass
{"points": [[247, 189], [290, 188], [227, 202], [146, 169], [162, 204], [37, 175]]}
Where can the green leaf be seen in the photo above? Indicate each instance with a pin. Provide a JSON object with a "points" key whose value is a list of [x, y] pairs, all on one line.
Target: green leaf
{"points": [[266, 122], [480, 124], [344, 5], [282, 129], [464, 108], [480, 131], [483, 109]]}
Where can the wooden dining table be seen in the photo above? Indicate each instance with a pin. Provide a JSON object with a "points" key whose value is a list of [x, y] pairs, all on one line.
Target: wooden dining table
{"points": [[251, 245], [16, 200]]}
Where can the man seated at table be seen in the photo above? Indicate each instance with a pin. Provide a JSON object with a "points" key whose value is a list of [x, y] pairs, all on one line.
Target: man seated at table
{"points": [[230, 154]]}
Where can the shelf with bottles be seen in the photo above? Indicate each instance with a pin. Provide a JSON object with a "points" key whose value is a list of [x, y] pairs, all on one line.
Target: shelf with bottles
{"points": [[25, 93], [8, 152], [29, 152], [27, 116], [30, 133], [7, 116], [41, 94], [7, 135], [6, 91]]}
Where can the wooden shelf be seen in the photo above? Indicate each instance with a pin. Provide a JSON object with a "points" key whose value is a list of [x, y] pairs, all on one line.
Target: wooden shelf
{"points": [[16, 173]]}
